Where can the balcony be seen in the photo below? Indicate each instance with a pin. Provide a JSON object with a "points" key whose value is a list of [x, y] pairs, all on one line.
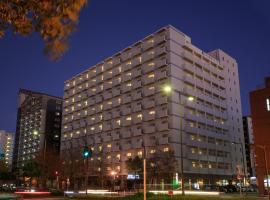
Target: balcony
{"points": [[125, 133], [136, 72], [137, 83], [136, 131], [148, 103], [136, 107]]}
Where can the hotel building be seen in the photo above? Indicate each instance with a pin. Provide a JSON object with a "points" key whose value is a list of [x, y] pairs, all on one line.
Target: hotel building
{"points": [[38, 128], [151, 93]]}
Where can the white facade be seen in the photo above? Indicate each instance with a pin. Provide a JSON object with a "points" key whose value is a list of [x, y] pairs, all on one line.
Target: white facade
{"points": [[6, 147], [121, 101]]}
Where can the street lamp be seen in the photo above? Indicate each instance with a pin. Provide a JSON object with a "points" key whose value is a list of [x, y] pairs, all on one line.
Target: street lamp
{"points": [[263, 147], [113, 173], [168, 90], [243, 162]]}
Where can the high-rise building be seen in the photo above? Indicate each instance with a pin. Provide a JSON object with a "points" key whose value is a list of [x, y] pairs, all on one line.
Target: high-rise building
{"points": [[249, 141], [38, 128], [6, 147], [151, 94], [260, 114]]}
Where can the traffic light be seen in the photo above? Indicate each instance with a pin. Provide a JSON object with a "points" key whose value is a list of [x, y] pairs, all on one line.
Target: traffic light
{"points": [[87, 152]]}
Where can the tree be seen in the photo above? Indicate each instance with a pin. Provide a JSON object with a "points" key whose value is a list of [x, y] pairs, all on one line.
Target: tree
{"points": [[53, 20], [135, 165], [162, 165], [31, 169]]}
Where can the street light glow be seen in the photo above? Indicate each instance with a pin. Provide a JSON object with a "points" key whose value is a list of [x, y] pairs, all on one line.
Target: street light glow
{"points": [[190, 98], [35, 132], [167, 88]]}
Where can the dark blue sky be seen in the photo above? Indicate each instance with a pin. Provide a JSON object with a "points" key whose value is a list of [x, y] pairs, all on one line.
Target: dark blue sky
{"points": [[241, 28]]}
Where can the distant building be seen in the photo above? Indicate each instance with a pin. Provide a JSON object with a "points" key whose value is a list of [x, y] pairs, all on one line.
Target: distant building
{"points": [[38, 126], [6, 147], [149, 94], [249, 141], [260, 114]]}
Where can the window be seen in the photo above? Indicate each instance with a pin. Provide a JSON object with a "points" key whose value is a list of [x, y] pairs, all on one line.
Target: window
{"points": [[128, 118], [152, 112], [128, 154], [268, 104], [151, 75]]}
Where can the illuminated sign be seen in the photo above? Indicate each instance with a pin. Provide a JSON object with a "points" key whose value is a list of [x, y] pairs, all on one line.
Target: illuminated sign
{"points": [[133, 177]]}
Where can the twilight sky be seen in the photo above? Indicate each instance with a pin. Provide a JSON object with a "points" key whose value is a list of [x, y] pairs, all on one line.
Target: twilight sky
{"points": [[241, 28]]}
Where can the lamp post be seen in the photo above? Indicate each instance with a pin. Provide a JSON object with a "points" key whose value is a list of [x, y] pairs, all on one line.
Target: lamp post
{"points": [[243, 163], [113, 173], [263, 147], [168, 90]]}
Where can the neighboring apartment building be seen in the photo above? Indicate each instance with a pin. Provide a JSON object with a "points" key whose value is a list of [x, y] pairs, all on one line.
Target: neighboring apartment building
{"points": [[116, 104], [6, 147], [38, 128], [249, 141], [260, 114]]}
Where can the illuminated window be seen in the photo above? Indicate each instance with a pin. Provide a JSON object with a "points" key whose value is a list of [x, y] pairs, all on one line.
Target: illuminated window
{"points": [[152, 112], [77, 132], [101, 106], [108, 157], [109, 145], [268, 104], [152, 151], [193, 150], [151, 41], [119, 80], [85, 103], [102, 77], [129, 74], [110, 72], [79, 105], [166, 149], [119, 69], [102, 68], [139, 153], [74, 83], [151, 88], [118, 122], [192, 137], [139, 116], [118, 156], [128, 63], [129, 84], [94, 80], [140, 59], [128, 154], [109, 103], [73, 100], [72, 108], [85, 112], [100, 127], [94, 89], [67, 84], [87, 76], [151, 64], [93, 118], [151, 75], [193, 164], [209, 166], [128, 118], [119, 100], [92, 128]]}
